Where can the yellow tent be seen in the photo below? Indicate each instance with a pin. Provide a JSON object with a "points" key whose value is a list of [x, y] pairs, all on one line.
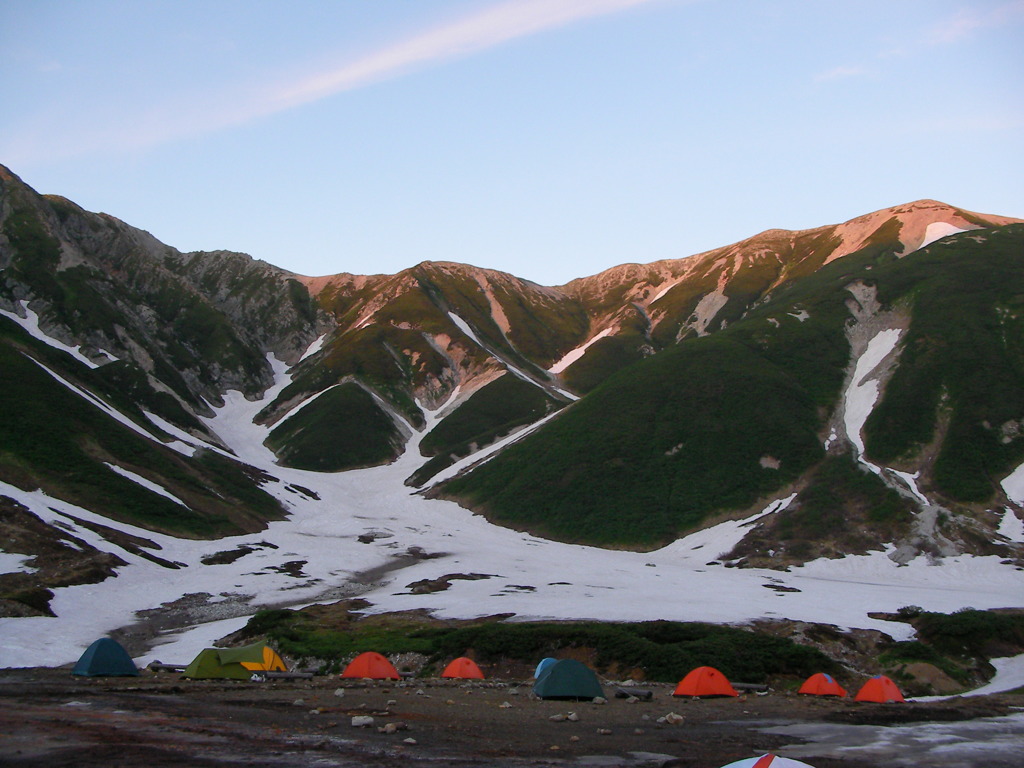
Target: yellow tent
{"points": [[270, 662]]}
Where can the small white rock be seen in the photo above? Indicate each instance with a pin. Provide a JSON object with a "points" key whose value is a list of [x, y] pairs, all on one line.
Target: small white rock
{"points": [[362, 721]]}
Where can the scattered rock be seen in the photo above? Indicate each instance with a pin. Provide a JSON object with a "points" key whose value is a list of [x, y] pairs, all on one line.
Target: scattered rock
{"points": [[339, 692], [604, 732], [600, 700], [362, 721], [572, 717]]}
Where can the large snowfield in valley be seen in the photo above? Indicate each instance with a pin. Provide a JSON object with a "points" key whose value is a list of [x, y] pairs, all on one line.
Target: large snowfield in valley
{"points": [[316, 555]]}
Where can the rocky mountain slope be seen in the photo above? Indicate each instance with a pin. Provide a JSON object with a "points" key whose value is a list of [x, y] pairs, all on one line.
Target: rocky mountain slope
{"points": [[686, 391]]}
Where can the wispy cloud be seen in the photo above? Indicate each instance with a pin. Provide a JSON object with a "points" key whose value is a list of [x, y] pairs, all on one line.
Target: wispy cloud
{"points": [[207, 113], [968, 20], [485, 29]]}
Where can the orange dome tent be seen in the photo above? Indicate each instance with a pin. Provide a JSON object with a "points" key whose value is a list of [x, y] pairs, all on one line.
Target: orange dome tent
{"points": [[822, 685], [879, 688], [705, 681], [463, 669], [371, 665]]}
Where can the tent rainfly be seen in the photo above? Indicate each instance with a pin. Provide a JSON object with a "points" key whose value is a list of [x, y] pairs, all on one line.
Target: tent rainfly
{"points": [[544, 664], [371, 665], [105, 658], [234, 663], [704, 681], [768, 761], [463, 668], [879, 689], [568, 679], [821, 684]]}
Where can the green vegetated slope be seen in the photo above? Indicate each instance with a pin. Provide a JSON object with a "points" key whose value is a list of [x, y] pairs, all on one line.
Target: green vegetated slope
{"points": [[492, 412], [55, 439], [654, 449], [718, 422], [961, 371], [342, 428], [608, 355], [390, 360]]}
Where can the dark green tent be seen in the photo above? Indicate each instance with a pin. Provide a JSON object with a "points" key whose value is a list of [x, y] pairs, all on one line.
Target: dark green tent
{"points": [[208, 665], [567, 679], [105, 657]]}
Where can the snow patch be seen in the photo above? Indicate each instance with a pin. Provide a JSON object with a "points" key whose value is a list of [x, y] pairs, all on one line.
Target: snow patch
{"points": [[147, 484], [1013, 485], [938, 230], [1011, 526], [864, 391], [11, 562], [31, 324], [571, 357], [313, 348]]}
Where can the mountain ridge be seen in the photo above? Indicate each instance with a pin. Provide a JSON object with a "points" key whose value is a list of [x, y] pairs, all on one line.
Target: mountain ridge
{"points": [[496, 351]]}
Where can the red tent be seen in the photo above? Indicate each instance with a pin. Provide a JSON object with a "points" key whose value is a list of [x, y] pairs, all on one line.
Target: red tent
{"points": [[705, 681], [879, 688], [371, 665], [463, 669], [822, 685]]}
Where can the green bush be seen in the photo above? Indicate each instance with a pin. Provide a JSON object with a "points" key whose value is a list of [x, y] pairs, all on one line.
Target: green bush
{"points": [[342, 428], [971, 632]]}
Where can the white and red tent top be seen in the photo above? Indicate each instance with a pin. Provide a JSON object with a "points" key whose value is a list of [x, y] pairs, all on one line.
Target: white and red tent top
{"points": [[768, 761]]}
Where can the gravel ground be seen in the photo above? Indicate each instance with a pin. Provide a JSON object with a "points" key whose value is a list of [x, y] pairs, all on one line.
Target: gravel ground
{"points": [[50, 718]]}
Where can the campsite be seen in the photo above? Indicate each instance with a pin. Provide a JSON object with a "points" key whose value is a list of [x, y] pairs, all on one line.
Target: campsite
{"points": [[51, 717]]}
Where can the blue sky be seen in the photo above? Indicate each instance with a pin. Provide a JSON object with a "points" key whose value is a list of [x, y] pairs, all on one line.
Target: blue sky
{"points": [[547, 138]]}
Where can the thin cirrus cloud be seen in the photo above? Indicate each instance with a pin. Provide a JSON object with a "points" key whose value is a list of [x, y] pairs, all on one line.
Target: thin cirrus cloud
{"points": [[967, 20], [948, 31], [210, 112]]}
